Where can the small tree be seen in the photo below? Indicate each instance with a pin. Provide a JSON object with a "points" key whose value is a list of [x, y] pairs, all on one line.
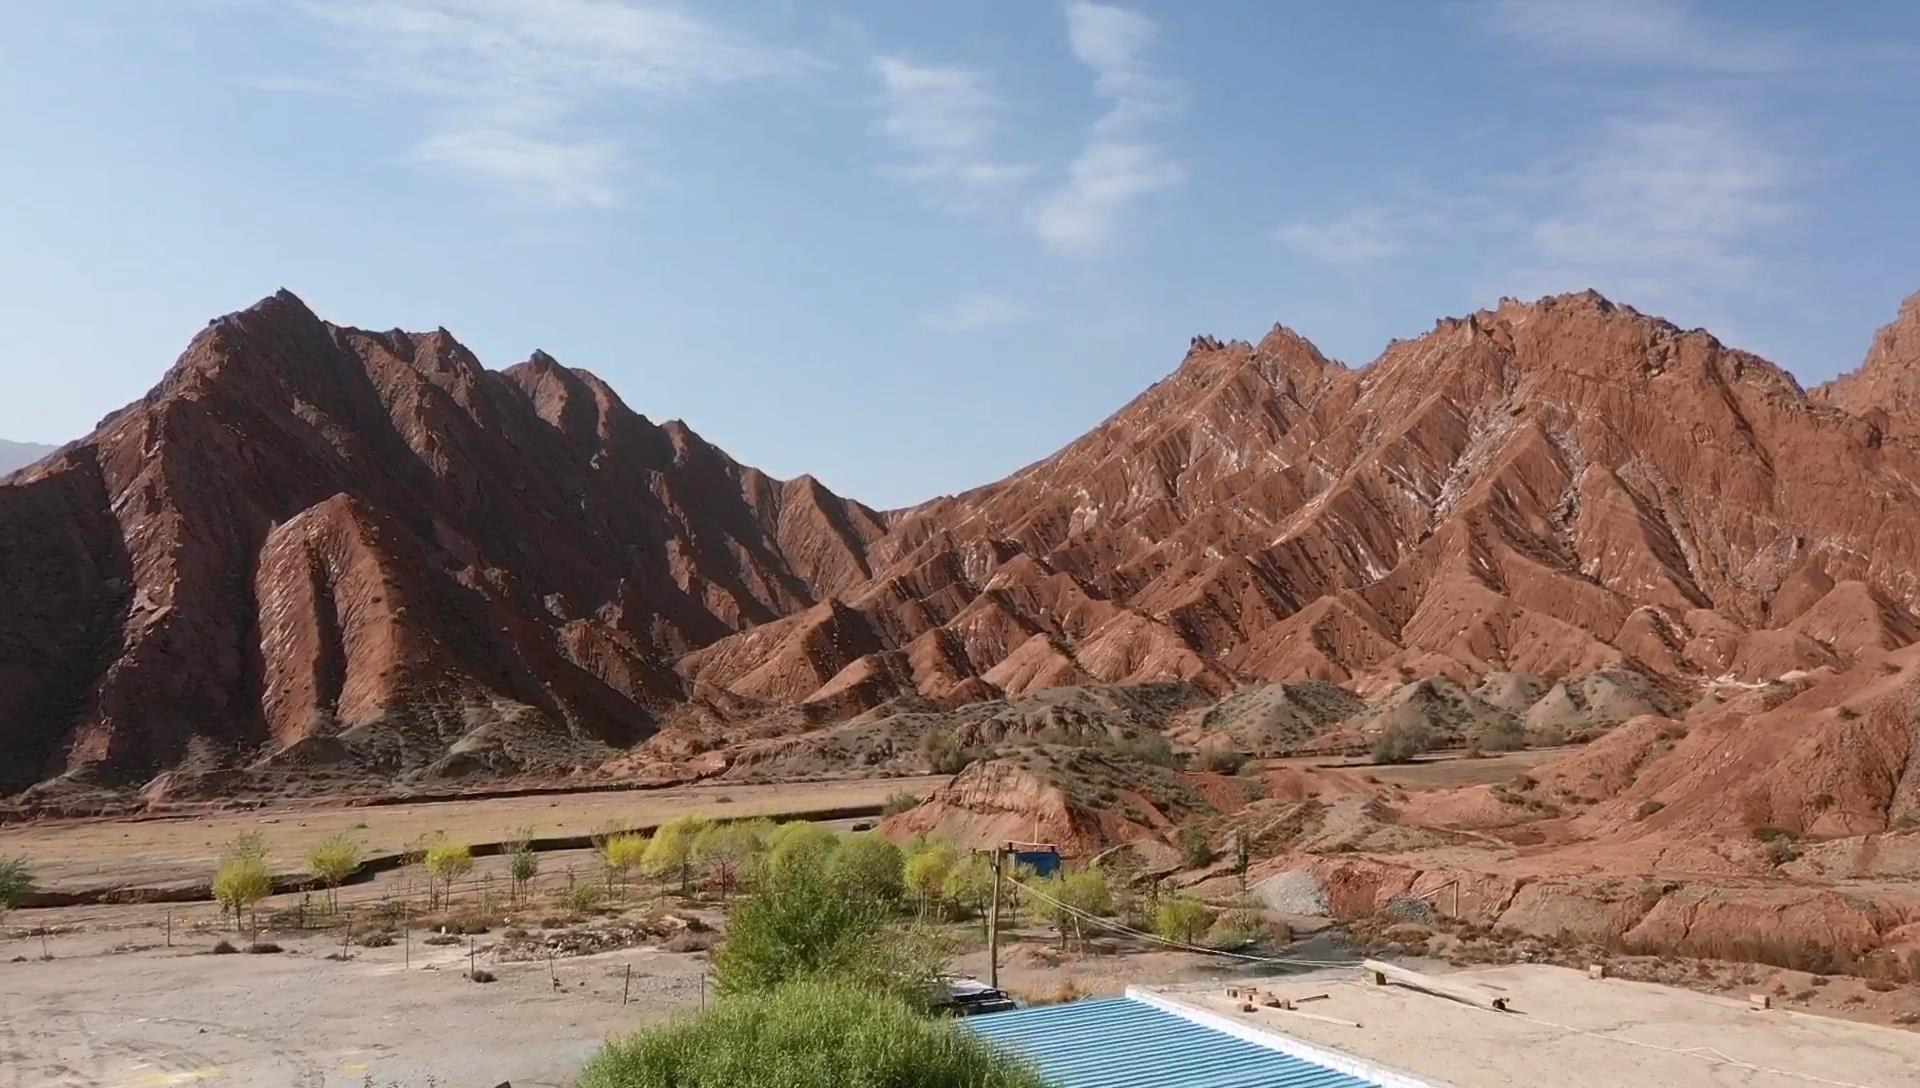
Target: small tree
{"points": [[446, 863], [925, 873], [671, 849], [622, 853], [523, 865], [969, 885], [239, 883], [333, 861], [16, 880], [868, 869], [726, 852], [1066, 899], [1182, 919]]}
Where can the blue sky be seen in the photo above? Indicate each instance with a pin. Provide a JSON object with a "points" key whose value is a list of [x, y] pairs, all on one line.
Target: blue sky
{"points": [[910, 247]]}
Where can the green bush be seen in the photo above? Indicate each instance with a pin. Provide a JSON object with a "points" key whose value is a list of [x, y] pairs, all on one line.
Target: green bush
{"points": [[1182, 919], [1502, 735], [797, 925], [807, 1034], [1194, 846], [868, 869], [1066, 896], [800, 835], [1401, 741], [16, 880], [1149, 748]]}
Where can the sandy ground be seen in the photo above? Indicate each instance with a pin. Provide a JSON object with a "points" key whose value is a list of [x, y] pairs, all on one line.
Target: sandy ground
{"points": [[1570, 1031], [115, 1007], [147, 1017], [136, 852]]}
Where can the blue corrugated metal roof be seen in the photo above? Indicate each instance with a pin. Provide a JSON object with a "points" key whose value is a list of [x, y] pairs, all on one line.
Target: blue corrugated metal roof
{"points": [[1123, 1043]]}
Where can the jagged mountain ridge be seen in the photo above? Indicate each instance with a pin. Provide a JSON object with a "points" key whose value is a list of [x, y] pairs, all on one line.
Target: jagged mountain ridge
{"points": [[313, 544]]}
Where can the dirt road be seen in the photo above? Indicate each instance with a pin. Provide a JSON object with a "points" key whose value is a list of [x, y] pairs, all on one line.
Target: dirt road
{"points": [[74, 856]]}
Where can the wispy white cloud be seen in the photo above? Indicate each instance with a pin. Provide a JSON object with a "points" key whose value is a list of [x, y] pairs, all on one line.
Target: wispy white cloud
{"points": [[507, 78], [540, 171], [1105, 180], [1648, 33], [944, 119], [977, 311], [1117, 166], [1674, 205], [1359, 237]]}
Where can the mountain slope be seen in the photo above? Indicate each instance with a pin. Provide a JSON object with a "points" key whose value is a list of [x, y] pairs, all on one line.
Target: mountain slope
{"points": [[315, 546], [317, 542], [1549, 488], [15, 455]]}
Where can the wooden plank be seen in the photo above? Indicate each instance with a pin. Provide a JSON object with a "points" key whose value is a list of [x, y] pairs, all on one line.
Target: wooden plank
{"points": [[1433, 984]]}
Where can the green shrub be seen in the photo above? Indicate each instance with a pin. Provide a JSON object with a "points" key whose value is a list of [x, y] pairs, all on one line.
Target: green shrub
{"points": [[1149, 748], [800, 835], [1502, 735], [867, 868], [797, 925], [16, 880], [1066, 896], [946, 755], [582, 897], [1182, 919], [1401, 741], [808, 1034], [1194, 846]]}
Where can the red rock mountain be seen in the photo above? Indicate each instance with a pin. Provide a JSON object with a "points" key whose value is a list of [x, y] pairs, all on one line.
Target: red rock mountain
{"points": [[313, 545]]}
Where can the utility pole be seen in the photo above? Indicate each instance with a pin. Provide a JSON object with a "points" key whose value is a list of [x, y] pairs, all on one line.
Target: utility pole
{"points": [[993, 925]]}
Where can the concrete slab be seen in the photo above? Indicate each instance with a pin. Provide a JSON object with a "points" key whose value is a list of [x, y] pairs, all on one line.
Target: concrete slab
{"points": [[1572, 1031]]}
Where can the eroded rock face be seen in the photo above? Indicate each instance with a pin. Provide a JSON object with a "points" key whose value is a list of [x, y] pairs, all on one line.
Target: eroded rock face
{"points": [[312, 543]]}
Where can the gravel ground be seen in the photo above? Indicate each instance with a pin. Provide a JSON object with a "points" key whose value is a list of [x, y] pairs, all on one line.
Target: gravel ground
{"points": [[1295, 892]]}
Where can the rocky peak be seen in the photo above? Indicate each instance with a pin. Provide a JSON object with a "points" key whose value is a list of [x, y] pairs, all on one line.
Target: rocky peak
{"points": [[1887, 385]]}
